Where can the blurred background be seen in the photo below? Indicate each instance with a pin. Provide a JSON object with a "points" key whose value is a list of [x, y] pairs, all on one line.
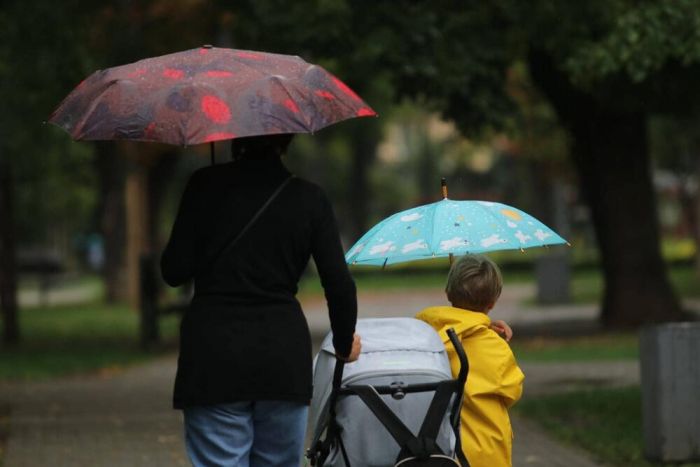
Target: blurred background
{"points": [[584, 114]]}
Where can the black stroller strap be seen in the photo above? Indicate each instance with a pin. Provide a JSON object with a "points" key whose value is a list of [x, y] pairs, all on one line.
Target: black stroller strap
{"points": [[398, 430], [463, 462], [320, 449], [436, 412], [342, 449]]}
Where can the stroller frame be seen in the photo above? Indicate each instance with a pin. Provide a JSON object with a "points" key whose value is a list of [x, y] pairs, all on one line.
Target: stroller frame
{"points": [[415, 449]]}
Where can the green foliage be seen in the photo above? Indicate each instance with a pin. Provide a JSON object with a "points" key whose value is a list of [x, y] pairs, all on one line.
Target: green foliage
{"points": [[55, 195], [453, 53], [45, 50], [630, 55], [41, 55], [578, 349], [643, 38]]}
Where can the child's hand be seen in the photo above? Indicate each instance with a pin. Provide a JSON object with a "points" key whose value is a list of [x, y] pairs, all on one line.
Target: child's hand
{"points": [[502, 328]]}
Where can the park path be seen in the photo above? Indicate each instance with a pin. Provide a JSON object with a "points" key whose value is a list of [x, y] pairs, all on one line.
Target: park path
{"points": [[123, 418]]}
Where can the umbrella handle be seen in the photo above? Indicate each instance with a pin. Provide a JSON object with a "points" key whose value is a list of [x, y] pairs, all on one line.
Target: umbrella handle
{"points": [[211, 153]]}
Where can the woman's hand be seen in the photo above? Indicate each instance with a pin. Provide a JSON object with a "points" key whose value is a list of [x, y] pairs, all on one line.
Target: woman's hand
{"points": [[502, 328], [355, 351]]}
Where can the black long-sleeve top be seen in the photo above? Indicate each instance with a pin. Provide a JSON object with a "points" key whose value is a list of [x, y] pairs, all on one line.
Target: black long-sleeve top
{"points": [[244, 336]]}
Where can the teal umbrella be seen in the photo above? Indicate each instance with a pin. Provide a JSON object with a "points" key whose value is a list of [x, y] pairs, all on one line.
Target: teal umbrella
{"points": [[447, 228]]}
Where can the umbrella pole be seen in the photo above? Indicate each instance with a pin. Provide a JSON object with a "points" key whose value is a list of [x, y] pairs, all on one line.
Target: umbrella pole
{"points": [[211, 152], [443, 186]]}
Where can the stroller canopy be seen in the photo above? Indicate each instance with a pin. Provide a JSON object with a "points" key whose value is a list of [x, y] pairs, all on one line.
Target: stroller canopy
{"points": [[396, 346], [397, 352]]}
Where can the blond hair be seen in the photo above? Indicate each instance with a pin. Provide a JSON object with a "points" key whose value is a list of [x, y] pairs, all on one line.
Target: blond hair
{"points": [[474, 283]]}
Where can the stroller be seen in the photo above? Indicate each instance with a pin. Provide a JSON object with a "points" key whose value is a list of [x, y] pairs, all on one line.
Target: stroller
{"points": [[398, 405]]}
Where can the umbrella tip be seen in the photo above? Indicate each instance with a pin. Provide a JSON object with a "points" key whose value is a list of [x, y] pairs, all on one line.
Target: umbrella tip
{"points": [[207, 46], [443, 185]]}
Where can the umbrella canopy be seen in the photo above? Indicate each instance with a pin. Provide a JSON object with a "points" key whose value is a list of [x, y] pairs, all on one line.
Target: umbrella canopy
{"points": [[205, 95], [447, 228]]}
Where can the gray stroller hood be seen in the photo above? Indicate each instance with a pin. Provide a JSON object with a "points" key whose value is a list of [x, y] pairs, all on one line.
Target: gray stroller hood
{"points": [[396, 352]]}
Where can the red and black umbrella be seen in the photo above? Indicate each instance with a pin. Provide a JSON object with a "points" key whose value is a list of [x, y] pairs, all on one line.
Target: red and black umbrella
{"points": [[205, 95]]}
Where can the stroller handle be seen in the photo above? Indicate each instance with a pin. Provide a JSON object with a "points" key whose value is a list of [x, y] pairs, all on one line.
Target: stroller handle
{"points": [[338, 373], [463, 361]]}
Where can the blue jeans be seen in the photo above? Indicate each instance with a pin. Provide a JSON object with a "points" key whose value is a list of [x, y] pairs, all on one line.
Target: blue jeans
{"points": [[246, 434]]}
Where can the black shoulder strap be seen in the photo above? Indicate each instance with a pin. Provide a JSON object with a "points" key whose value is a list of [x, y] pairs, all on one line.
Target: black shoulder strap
{"points": [[228, 247]]}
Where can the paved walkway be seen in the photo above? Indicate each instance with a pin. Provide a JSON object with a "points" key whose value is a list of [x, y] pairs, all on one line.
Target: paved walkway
{"points": [[124, 418]]}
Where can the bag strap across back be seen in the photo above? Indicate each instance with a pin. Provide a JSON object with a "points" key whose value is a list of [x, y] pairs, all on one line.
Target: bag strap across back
{"points": [[233, 241]]}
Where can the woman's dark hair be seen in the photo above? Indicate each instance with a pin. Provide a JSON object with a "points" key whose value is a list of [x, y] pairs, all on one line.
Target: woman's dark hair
{"points": [[260, 146]]}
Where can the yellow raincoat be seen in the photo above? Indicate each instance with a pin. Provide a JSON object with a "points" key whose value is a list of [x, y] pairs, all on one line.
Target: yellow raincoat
{"points": [[494, 383]]}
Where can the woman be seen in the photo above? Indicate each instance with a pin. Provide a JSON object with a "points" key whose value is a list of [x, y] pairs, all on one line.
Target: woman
{"points": [[244, 369]]}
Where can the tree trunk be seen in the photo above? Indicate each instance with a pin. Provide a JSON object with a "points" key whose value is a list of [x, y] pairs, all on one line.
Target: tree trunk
{"points": [[695, 222], [8, 262], [159, 177], [612, 158], [610, 152], [364, 146], [111, 218]]}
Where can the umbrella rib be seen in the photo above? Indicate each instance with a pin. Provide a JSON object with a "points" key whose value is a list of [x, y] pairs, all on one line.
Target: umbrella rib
{"points": [[281, 80], [93, 105], [340, 102], [433, 233], [491, 214], [500, 223]]}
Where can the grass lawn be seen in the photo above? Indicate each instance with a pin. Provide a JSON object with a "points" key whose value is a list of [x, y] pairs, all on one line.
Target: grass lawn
{"points": [[606, 422], [587, 285], [607, 346], [62, 340]]}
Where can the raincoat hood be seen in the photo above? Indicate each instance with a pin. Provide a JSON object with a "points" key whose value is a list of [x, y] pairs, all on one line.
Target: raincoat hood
{"points": [[464, 322]]}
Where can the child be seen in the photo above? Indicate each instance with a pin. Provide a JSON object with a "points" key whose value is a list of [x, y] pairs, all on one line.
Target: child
{"points": [[494, 382]]}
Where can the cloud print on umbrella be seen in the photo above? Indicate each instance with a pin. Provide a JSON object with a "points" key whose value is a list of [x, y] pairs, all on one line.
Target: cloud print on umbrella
{"points": [[207, 94], [417, 245]]}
